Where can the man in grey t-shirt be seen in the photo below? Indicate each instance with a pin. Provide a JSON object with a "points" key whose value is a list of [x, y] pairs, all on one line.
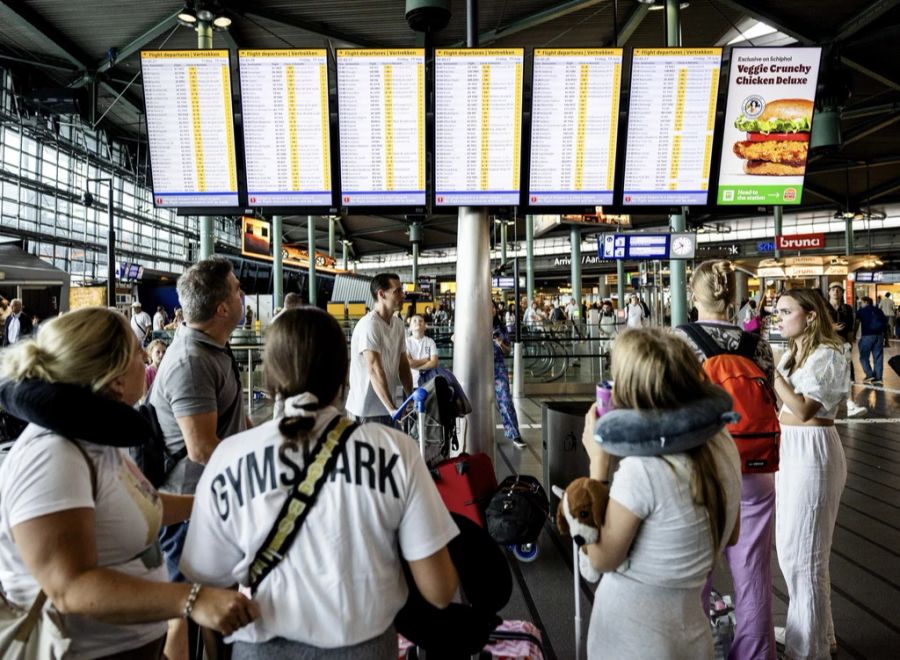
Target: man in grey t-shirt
{"points": [[197, 395]]}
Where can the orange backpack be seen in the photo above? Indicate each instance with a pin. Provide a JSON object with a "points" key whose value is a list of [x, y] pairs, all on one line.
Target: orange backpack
{"points": [[758, 432]]}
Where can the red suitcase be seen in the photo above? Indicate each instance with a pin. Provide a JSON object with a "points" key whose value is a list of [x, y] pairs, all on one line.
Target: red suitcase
{"points": [[466, 484]]}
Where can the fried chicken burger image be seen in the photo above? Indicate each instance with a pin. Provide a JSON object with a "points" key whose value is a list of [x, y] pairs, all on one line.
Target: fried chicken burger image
{"points": [[778, 140]]}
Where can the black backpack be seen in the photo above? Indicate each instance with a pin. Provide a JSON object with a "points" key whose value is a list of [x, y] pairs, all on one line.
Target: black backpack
{"points": [[153, 457], [517, 511]]}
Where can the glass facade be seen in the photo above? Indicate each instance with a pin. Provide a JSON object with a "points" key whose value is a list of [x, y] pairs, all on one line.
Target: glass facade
{"points": [[45, 165]]}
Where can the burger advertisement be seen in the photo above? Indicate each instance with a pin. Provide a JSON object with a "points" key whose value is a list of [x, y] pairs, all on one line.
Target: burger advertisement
{"points": [[768, 118]]}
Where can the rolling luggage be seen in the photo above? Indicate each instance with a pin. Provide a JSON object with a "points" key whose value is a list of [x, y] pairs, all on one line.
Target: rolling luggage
{"points": [[514, 640], [466, 484]]}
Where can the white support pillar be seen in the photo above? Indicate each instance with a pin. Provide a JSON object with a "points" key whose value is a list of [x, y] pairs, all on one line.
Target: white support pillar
{"points": [[473, 361]]}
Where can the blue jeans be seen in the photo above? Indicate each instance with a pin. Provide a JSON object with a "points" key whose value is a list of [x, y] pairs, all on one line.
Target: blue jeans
{"points": [[872, 345]]}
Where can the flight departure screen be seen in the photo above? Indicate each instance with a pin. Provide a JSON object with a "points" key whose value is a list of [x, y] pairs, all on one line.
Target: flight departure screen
{"points": [[187, 95], [381, 117], [284, 105], [478, 126], [671, 118], [574, 126]]}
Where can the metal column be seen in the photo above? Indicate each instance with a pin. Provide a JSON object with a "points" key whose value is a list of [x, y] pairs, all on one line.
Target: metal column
{"points": [[331, 238], [277, 264], [111, 253], [206, 222], [848, 238], [575, 246], [415, 237], [779, 222], [311, 235], [529, 259], [620, 282], [677, 222], [504, 233], [473, 361], [345, 252]]}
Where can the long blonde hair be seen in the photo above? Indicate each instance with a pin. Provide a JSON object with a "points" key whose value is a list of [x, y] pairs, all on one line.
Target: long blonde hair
{"points": [[91, 346], [712, 284], [819, 331], [655, 369]]}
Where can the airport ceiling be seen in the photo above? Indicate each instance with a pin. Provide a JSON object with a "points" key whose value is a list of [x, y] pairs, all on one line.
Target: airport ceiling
{"points": [[90, 45]]}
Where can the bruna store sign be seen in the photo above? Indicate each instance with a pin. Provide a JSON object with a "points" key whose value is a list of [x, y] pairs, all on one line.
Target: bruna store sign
{"points": [[800, 241]]}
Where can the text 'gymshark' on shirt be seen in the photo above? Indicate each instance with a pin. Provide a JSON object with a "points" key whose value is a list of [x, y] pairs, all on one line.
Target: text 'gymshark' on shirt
{"points": [[249, 478]]}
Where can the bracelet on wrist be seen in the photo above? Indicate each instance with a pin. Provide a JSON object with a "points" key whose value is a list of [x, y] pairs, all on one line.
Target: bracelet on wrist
{"points": [[191, 600]]}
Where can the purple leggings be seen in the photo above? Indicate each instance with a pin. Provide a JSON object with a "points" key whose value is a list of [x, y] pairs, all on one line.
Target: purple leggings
{"points": [[750, 561]]}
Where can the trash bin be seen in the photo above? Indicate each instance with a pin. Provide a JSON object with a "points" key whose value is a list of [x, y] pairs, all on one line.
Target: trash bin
{"points": [[562, 423]]}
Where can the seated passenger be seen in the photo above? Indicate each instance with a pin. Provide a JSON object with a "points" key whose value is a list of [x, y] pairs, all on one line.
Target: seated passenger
{"points": [[673, 503], [78, 520], [340, 583]]}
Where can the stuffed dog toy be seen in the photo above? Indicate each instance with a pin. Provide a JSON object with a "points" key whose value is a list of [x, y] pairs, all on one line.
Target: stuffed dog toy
{"points": [[580, 514]]}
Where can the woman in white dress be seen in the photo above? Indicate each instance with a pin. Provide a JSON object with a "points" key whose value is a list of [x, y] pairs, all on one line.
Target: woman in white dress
{"points": [[812, 380], [673, 504]]}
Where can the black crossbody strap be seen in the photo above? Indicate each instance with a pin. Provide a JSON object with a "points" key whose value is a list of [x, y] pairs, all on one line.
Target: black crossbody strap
{"points": [[747, 346], [701, 338], [300, 500]]}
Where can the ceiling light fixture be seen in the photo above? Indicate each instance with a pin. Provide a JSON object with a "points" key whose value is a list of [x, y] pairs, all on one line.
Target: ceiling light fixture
{"points": [[659, 6], [187, 16], [209, 12]]}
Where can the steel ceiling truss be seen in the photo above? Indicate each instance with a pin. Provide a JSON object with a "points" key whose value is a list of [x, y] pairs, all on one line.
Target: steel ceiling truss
{"points": [[780, 25]]}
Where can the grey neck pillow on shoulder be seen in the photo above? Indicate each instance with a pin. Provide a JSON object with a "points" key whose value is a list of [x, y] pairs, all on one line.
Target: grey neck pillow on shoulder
{"points": [[632, 432]]}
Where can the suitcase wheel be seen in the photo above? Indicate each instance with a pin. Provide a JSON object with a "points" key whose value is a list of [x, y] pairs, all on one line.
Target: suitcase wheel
{"points": [[525, 552]]}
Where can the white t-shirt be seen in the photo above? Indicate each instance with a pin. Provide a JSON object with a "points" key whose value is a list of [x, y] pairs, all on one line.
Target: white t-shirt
{"points": [[635, 315], [824, 377], [159, 321], [419, 349], [372, 333], [341, 581], [887, 306], [45, 473], [139, 324], [673, 545]]}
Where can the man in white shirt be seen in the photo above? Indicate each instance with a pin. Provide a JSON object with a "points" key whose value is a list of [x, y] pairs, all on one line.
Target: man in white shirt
{"points": [[160, 319], [140, 323], [379, 365], [530, 317], [890, 311], [421, 350], [17, 324]]}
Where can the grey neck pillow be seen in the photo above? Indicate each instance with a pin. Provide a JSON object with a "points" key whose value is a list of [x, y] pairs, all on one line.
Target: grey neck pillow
{"points": [[632, 432]]}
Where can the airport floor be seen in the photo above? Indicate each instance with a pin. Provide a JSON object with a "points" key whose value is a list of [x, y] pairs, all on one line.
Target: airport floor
{"points": [[865, 561]]}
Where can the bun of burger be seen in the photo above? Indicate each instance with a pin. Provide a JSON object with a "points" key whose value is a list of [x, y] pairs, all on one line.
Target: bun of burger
{"points": [[778, 139]]}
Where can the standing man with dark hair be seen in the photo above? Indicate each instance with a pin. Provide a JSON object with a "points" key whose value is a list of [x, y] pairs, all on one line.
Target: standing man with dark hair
{"points": [[17, 325], [872, 323], [198, 398], [379, 365]]}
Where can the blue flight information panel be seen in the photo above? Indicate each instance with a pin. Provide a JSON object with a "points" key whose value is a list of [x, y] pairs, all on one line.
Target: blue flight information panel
{"points": [[634, 246]]}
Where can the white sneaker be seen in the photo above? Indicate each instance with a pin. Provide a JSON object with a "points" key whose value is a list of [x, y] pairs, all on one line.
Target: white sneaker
{"points": [[854, 410]]}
